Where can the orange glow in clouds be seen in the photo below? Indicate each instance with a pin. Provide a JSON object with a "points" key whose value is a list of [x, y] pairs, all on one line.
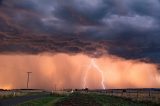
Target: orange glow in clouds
{"points": [[68, 71]]}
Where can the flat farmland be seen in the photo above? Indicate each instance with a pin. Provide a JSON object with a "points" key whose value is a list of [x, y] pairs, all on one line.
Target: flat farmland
{"points": [[112, 97]]}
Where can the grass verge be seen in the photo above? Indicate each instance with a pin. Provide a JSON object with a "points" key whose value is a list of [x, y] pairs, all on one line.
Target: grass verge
{"points": [[45, 101]]}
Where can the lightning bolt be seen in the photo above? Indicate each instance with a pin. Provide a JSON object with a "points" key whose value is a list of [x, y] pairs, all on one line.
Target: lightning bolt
{"points": [[93, 64]]}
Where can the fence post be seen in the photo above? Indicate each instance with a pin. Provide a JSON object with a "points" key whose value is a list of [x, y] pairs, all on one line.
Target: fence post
{"points": [[149, 94], [137, 94], [122, 93]]}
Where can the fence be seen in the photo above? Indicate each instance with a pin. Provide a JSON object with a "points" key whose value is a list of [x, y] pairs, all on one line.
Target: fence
{"points": [[139, 94]]}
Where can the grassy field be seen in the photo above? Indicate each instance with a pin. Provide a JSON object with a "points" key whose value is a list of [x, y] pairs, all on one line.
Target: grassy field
{"points": [[85, 99]]}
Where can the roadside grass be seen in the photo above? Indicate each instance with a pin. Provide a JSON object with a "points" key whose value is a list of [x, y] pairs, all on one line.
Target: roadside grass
{"points": [[12, 95], [7, 95], [45, 101]]}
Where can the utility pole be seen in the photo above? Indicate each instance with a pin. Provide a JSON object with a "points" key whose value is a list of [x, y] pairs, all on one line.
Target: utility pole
{"points": [[28, 74], [55, 87]]}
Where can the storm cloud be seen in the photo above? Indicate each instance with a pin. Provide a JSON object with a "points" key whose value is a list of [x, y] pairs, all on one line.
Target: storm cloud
{"points": [[126, 28]]}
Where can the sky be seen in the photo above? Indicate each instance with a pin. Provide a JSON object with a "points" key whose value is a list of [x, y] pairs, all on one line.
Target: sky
{"points": [[125, 29]]}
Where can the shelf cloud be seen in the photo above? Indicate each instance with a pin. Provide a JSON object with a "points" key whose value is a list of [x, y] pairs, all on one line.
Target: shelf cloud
{"points": [[126, 28]]}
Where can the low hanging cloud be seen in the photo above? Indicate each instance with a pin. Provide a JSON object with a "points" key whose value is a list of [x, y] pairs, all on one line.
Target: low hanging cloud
{"points": [[126, 28], [48, 73]]}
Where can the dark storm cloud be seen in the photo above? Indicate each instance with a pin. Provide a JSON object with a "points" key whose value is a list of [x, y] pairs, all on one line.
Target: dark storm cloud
{"points": [[1, 2], [126, 28]]}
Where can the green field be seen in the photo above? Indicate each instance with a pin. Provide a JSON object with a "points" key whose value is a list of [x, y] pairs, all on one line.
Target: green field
{"points": [[85, 99]]}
